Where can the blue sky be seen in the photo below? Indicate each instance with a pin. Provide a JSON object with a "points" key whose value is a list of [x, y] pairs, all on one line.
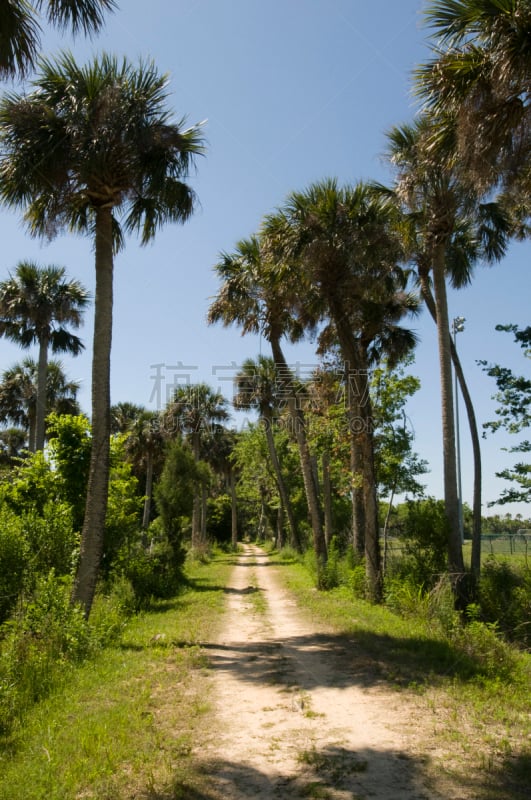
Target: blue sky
{"points": [[293, 91]]}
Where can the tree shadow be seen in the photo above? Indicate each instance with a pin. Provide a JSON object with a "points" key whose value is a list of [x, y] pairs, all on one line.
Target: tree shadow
{"points": [[367, 772], [342, 660]]}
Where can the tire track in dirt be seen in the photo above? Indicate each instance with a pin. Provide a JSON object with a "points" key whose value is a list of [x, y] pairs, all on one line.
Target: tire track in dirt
{"points": [[294, 717]]}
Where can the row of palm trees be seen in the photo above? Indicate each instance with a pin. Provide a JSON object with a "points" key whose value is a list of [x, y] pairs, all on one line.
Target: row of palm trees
{"points": [[339, 260], [38, 305]]}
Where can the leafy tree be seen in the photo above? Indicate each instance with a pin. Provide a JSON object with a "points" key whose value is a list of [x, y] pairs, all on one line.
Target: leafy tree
{"points": [[175, 492], [18, 394], [514, 416], [87, 145], [70, 444], [38, 305], [20, 29]]}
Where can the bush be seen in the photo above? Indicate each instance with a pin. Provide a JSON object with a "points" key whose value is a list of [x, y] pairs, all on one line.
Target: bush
{"points": [[505, 599], [425, 535], [151, 573], [38, 644], [52, 541], [14, 557]]}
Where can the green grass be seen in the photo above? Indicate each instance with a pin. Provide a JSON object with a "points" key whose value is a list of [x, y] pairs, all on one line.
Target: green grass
{"points": [[125, 723]]}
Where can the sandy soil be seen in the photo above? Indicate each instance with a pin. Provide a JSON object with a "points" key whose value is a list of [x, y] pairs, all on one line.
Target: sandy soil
{"points": [[297, 716]]}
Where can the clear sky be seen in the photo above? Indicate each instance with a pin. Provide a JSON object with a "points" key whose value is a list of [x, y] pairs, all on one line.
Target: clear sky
{"points": [[293, 91]]}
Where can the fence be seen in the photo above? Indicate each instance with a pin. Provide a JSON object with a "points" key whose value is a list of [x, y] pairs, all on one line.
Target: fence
{"points": [[506, 544]]}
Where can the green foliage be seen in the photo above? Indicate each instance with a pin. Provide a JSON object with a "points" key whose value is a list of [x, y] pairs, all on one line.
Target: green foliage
{"points": [[423, 527], [39, 644], [219, 519], [123, 507], [513, 415], [505, 599], [14, 559], [70, 454], [151, 573], [31, 485], [174, 494], [51, 539]]}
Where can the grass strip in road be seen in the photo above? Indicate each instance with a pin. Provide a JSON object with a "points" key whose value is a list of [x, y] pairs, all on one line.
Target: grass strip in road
{"points": [[127, 722]]}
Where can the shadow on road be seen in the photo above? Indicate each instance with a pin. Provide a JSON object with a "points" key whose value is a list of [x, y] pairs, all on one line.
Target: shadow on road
{"points": [[321, 771]]}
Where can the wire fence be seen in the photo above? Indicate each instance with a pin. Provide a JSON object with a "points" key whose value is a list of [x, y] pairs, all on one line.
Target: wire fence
{"points": [[495, 544], [506, 544]]}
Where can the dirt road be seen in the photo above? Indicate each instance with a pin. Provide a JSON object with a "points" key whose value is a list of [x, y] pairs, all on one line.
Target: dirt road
{"points": [[295, 716]]}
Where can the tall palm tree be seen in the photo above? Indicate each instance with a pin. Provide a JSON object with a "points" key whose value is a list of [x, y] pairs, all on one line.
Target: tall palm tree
{"points": [[449, 233], [93, 149], [38, 305], [20, 30], [257, 387], [18, 394], [195, 411], [346, 248], [258, 295], [480, 79]]}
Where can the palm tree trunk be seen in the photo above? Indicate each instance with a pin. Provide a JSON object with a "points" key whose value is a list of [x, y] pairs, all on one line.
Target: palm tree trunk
{"points": [[149, 491], [234, 510], [196, 507], [308, 477], [282, 489], [451, 500], [92, 534], [362, 450], [204, 498], [474, 435], [327, 498], [40, 411]]}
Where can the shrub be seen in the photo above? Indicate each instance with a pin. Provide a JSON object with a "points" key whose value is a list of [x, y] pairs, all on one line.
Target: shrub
{"points": [[14, 558], [505, 599], [425, 535]]}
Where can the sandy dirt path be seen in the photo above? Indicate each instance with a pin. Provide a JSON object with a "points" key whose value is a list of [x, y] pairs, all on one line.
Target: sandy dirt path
{"points": [[295, 716]]}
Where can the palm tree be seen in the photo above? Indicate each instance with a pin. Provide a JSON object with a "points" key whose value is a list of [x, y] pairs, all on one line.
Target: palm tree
{"points": [[12, 441], [124, 416], [257, 387], [18, 394], [195, 411], [346, 248], [37, 305], [90, 145], [218, 449], [480, 79], [258, 295], [20, 28], [145, 446], [449, 232]]}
